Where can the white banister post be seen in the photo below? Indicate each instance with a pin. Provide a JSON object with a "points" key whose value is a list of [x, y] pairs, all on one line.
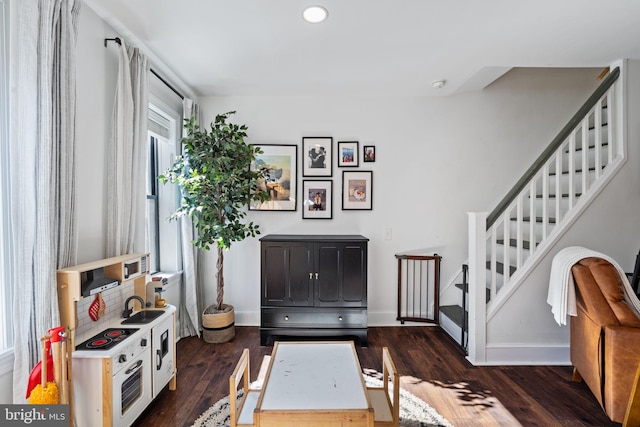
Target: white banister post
{"points": [[477, 287]]}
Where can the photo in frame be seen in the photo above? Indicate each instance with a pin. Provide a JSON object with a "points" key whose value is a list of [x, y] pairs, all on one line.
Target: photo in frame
{"points": [[357, 190], [317, 153], [317, 199], [348, 154], [279, 163], [369, 153]]}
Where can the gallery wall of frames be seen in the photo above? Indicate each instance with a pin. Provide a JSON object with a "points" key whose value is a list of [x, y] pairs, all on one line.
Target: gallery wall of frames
{"points": [[318, 157]]}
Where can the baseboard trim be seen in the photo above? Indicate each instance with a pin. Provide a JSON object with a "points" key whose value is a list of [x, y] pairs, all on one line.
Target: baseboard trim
{"points": [[247, 318], [500, 355]]}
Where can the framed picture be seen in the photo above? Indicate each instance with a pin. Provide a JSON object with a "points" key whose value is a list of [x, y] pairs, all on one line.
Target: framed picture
{"points": [[369, 153], [348, 153], [279, 163], [357, 190], [317, 199], [317, 153]]}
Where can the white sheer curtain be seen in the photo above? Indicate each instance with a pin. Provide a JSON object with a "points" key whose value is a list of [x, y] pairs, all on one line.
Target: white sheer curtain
{"points": [[42, 174], [190, 314], [126, 155]]}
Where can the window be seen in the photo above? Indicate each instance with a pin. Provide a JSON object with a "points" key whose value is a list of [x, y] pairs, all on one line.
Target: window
{"points": [[153, 215], [162, 236], [6, 327]]}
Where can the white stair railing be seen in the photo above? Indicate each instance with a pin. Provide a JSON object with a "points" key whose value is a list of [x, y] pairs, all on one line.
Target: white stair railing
{"points": [[541, 206]]}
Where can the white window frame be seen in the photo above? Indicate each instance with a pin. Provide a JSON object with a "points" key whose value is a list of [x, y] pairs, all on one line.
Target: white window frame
{"points": [[169, 231]]}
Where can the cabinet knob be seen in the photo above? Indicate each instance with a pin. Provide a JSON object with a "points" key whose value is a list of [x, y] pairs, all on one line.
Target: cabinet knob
{"points": [[316, 276], [310, 276], [340, 318], [286, 317]]}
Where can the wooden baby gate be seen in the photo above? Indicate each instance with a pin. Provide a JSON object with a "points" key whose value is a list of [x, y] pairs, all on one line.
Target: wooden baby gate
{"points": [[418, 288]]}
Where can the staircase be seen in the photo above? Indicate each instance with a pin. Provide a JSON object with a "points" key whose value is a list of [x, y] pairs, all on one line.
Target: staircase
{"points": [[509, 242]]}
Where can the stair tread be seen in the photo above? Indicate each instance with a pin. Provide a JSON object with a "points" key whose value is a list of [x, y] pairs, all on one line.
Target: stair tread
{"points": [[590, 146], [563, 195], [464, 287], [455, 313], [500, 268], [514, 243], [591, 169], [538, 219]]}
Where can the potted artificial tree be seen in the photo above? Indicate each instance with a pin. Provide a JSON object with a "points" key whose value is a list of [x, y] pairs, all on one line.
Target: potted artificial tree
{"points": [[217, 184]]}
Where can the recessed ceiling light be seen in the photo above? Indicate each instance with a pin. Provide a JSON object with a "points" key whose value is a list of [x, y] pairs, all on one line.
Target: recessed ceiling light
{"points": [[438, 84], [315, 14]]}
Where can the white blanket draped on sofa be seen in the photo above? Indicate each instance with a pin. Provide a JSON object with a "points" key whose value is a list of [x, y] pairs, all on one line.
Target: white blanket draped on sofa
{"points": [[562, 296]]}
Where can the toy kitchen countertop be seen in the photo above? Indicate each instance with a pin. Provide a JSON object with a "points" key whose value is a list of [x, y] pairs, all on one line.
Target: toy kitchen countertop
{"points": [[107, 342]]}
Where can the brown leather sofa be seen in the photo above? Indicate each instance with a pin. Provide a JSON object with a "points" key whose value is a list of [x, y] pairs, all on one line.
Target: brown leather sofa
{"points": [[605, 336]]}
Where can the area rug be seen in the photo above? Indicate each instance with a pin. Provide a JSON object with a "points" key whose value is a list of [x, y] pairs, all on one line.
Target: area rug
{"points": [[413, 411]]}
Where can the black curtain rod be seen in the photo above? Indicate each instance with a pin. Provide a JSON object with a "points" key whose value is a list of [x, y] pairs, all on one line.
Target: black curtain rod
{"points": [[115, 39], [166, 83]]}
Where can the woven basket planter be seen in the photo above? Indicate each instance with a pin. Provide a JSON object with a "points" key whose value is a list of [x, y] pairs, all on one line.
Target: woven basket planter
{"points": [[218, 326]]}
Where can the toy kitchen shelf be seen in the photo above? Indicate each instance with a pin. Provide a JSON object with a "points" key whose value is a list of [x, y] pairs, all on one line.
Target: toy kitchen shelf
{"points": [[90, 278]]}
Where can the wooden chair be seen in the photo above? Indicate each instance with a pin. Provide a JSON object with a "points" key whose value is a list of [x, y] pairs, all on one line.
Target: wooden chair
{"points": [[241, 413], [386, 399]]}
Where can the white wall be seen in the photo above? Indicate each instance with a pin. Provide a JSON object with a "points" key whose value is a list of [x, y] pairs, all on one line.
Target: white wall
{"points": [[436, 159], [96, 83]]}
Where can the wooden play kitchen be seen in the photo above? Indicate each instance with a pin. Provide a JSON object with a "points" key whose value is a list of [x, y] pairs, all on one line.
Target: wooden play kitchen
{"points": [[122, 361]]}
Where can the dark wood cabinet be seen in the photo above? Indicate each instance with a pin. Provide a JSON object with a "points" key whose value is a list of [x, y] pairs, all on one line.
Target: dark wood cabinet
{"points": [[313, 285]]}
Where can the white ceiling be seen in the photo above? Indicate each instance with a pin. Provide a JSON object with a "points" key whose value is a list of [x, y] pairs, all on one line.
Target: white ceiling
{"points": [[369, 47]]}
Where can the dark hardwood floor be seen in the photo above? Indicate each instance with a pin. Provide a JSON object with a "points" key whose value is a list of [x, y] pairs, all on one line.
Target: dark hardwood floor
{"points": [[430, 365]]}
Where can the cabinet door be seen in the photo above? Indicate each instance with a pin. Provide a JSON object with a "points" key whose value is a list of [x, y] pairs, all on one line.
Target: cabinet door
{"points": [[354, 274], [286, 274], [162, 341], [341, 274], [327, 273]]}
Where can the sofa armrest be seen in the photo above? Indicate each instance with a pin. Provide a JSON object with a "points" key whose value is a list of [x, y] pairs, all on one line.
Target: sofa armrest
{"points": [[621, 360], [586, 351]]}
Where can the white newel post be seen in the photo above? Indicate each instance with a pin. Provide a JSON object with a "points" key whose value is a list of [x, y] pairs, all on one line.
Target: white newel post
{"points": [[477, 284]]}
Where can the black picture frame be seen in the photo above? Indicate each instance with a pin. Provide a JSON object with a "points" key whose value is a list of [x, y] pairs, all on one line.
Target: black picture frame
{"points": [[348, 154], [357, 190], [317, 199], [369, 153], [317, 156], [281, 162]]}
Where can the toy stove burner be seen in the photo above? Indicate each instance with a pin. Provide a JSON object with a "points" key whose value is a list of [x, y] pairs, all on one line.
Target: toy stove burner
{"points": [[106, 339]]}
